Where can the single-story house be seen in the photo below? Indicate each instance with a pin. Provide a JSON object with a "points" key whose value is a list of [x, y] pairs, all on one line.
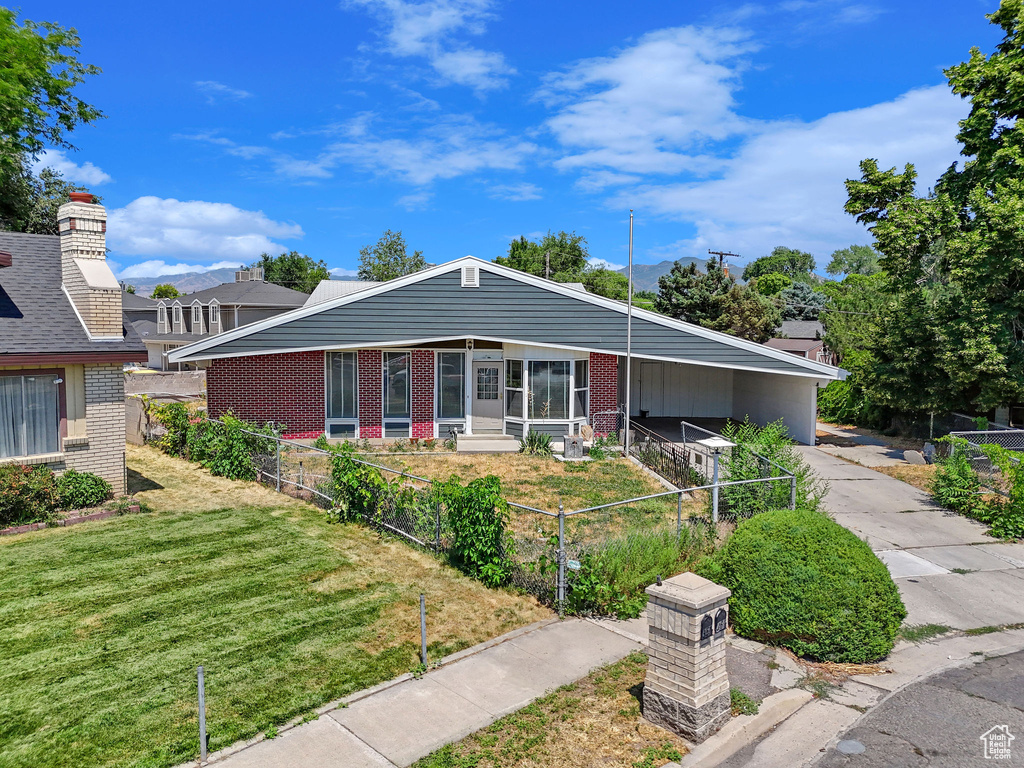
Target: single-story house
{"points": [[63, 343], [486, 349], [804, 338], [167, 324]]}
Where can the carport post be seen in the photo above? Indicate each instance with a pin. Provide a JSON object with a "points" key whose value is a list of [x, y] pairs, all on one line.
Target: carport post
{"points": [[792, 491]]}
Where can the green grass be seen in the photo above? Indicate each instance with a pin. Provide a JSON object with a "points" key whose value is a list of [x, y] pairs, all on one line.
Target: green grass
{"points": [[921, 632], [105, 623]]}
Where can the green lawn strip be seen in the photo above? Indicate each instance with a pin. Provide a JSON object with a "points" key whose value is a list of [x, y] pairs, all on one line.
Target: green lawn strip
{"points": [[919, 633], [105, 624]]}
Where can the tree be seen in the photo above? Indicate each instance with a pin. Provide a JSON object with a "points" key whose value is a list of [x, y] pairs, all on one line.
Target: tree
{"points": [[797, 265], [801, 302], [855, 260], [772, 284], [951, 335], [565, 253], [129, 288], [714, 300], [165, 291], [607, 283], [39, 72], [293, 270], [387, 259], [851, 319], [29, 203]]}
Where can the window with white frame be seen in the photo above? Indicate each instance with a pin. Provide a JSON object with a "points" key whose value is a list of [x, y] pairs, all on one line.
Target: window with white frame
{"points": [[214, 317], [581, 389], [514, 395], [397, 401], [197, 318], [29, 415], [342, 394], [548, 395], [176, 314], [451, 385], [161, 319]]}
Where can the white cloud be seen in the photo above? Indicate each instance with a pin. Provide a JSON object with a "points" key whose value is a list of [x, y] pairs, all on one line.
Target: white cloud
{"points": [[515, 192], [214, 91], [784, 186], [603, 264], [431, 30], [194, 229], [160, 268], [653, 107], [415, 201], [86, 173]]}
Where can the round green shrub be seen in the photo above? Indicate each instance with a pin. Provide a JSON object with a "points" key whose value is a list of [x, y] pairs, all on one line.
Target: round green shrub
{"points": [[802, 581], [77, 490]]}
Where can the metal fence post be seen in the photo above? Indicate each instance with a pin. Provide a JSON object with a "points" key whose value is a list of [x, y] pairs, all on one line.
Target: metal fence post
{"points": [[792, 492], [714, 492], [679, 515], [277, 450], [202, 717], [301, 475], [423, 629], [437, 529], [560, 588]]}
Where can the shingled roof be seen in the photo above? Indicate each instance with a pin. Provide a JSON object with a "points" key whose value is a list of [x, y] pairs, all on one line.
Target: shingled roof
{"points": [[36, 316], [252, 293]]}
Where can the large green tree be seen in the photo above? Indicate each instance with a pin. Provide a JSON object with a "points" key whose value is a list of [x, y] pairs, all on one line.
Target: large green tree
{"points": [[388, 258], [29, 203], [851, 318], [801, 302], [165, 291], [293, 270], [952, 334], [796, 265], [562, 257], [714, 300], [855, 260]]}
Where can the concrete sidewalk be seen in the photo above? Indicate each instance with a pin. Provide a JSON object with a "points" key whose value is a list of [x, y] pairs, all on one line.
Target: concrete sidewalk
{"points": [[398, 723]]}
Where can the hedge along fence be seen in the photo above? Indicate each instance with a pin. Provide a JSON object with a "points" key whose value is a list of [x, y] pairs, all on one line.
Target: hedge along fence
{"points": [[998, 501]]}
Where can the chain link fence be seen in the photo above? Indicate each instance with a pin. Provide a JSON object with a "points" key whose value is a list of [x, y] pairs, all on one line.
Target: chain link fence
{"points": [[989, 474]]}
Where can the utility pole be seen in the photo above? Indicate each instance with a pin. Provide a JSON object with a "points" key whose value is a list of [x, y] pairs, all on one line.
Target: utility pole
{"points": [[721, 256]]}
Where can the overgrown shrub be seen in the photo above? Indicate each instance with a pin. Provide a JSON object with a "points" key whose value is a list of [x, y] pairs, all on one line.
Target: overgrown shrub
{"points": [[612, 576], [76, 490], [804, 582], [1005, 514], [955, 484], [480, 543], [27, 495], [536, 443], [357, 488], [744, 463]]}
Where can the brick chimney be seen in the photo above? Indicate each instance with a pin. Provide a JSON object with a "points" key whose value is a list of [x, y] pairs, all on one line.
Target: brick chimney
{"points": [[87, 279]]}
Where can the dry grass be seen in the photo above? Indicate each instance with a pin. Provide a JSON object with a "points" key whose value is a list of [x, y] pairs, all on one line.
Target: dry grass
{"points": [[917, 475], [900, 443], [594, 723]]}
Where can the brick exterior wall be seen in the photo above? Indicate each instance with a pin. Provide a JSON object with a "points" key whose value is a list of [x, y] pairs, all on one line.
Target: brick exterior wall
{"points": [[422, 393], [604, 391], [286, 388], [104, 418], [371, 392], [83, 235]]}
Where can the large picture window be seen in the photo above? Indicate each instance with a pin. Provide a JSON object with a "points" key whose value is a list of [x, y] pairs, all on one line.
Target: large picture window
{"points": [[451, 385], [29, 415], [342, 391], [514, 388], [549, 389]]}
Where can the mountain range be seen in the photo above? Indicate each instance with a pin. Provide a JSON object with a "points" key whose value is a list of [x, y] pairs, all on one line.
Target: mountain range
{"points": [[645, 276]]}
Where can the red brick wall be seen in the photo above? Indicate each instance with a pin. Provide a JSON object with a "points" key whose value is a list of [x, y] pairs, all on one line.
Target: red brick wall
{"points": [[287, 389], [422, 393], [371, 392], [604, 389]]}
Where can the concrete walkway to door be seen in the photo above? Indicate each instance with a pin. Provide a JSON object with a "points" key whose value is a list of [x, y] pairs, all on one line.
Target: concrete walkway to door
{"points": [[949, 571]]}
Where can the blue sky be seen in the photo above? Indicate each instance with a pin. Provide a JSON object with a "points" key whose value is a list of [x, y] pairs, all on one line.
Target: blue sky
{"points": [[234, 128]]}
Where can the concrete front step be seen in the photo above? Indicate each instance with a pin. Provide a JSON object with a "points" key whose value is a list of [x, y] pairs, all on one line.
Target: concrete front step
{"points": [[487, 444]]}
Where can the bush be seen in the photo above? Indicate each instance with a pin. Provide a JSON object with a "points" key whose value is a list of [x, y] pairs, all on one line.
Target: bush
{"points": [[537, 443], [76, 490], [480, 543], [744, 463], [612, 577], [955, 484], [27, 495], [804, 582]]}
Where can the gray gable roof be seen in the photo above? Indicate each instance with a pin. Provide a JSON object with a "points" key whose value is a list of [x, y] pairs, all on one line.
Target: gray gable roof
{"points": [[802, 329], [507, 306], [252, 293], [132, 302], [36, 316]]}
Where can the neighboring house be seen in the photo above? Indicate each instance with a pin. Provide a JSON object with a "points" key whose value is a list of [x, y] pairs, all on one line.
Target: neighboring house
{"points": [[63, 343], [483, 348], [172, 323], [804, 338]]}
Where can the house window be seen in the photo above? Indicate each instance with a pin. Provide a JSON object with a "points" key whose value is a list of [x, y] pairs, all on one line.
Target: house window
{"points": [[177, 315], [396, 394], [197, 314], [161, 319], [487, 383], [214, 315], [29, 415], [342, 394], [581, 389], [548, 389], [514, 388], [451, 385]]}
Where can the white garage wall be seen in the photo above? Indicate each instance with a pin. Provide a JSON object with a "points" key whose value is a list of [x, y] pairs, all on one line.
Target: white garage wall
{"points": [[673, 389], [768, 397]]}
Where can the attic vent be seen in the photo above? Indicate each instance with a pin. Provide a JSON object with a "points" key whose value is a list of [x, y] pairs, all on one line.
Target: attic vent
{"points": [[471, 277]]}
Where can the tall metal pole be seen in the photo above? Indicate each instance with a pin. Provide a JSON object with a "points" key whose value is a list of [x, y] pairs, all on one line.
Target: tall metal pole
{"points": [[560, 587], [629, 337], [202, 717], [423, 629], [714, 492]]}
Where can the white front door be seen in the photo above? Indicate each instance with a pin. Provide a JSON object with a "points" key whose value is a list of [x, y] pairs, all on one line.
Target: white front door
{"points": [[488, 384]]}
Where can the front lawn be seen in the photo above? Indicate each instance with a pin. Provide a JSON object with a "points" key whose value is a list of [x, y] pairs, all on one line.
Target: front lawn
{"points": [[104, 623]]}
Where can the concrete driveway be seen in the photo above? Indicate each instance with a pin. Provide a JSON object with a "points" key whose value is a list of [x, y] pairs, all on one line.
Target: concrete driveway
{"points": [[949, 571]]}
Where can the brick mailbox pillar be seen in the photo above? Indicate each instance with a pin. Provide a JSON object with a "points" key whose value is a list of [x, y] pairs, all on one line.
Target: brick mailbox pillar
{"points": [[687, 687]]}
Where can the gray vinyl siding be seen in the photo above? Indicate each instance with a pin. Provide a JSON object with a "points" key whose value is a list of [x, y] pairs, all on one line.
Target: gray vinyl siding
{"points": [[555, 430], [514, 428], [500, 308]]}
